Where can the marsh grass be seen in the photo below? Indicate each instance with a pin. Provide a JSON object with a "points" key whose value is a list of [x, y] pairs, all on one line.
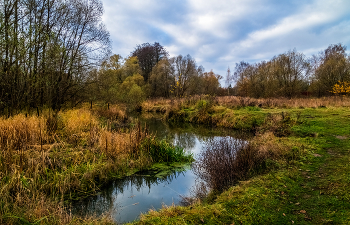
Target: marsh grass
{"points": [[162, 151], [49, 160], [235, 101]]}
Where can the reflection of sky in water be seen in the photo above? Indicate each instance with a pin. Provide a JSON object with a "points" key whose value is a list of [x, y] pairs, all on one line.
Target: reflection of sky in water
{"points": [[126, 199], [151, 198]]}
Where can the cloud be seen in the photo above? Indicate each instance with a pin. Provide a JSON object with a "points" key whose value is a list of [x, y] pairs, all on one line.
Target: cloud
{"points": [[221, 33]]}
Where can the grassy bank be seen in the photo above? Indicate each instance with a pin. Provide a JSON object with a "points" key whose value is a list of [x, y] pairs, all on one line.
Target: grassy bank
{"points": [[49, 160], [306, 179]]}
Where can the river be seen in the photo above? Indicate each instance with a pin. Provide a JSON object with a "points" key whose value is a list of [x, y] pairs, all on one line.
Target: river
{"points": [[125, 199]]}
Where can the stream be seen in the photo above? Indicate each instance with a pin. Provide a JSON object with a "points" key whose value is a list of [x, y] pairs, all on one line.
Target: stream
{"points": [[125, 199]]}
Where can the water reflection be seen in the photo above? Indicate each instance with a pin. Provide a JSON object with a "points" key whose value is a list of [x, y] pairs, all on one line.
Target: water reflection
{"points": [[126, 198]]}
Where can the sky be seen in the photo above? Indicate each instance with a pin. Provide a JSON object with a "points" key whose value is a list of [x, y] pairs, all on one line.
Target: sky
{"points": [[221, 33]]}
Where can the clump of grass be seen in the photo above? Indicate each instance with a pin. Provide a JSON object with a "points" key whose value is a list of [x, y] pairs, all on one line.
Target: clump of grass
{"points": [[159, 105], [76, 124], [162, 151], [279, 123]]}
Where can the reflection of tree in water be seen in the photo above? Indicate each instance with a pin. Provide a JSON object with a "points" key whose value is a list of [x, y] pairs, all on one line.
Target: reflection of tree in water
{"points": [[106, 201], [185, 134]]}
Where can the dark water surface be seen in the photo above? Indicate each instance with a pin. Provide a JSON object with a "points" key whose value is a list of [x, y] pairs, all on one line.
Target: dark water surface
{"points": [[126, 198]]}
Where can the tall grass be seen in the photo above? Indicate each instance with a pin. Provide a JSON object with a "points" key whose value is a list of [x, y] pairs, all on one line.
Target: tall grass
{"points": [[54, 158], [171, 106], [234, 101]]}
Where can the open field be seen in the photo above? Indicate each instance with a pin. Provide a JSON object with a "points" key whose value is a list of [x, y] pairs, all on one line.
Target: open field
{"points": [[312, 188]]}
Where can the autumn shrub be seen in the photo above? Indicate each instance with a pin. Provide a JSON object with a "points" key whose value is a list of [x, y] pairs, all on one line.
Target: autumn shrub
{"points": [[135, 96], [225, 161]]}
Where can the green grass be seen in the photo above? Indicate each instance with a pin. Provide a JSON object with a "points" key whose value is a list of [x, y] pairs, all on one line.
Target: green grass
{"points": [[314, 189], [162, 151]]}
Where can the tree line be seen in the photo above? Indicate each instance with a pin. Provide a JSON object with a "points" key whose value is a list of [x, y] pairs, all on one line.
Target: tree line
{"points": [[292, 74], [47, 48], [149, 72], [55, 53]]}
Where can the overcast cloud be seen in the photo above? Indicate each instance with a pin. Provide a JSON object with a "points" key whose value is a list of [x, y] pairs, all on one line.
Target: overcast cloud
{"points": [[221, 33]]}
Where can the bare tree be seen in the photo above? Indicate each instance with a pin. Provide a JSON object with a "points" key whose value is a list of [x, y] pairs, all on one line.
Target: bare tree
{"points": [[46, 48], [185, 69]]}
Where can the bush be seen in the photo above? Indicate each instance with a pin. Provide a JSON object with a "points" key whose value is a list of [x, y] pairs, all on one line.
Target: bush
{"points": [[225, 161]]}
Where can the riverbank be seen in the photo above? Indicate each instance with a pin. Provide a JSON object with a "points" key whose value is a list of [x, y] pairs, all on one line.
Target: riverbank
{"points": [[310, 189], [48, 160]]}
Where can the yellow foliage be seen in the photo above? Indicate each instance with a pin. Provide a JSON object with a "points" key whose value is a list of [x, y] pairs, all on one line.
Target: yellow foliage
{"points": [[78, 121], [341, 88]]}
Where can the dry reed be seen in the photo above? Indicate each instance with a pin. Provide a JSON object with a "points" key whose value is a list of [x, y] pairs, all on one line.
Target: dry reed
{"points": [[234, 101], [52, 158]]}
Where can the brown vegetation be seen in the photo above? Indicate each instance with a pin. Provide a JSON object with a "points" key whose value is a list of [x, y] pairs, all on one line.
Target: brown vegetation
{"points": [[163, 105], [234, 101], [40, 168]]}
